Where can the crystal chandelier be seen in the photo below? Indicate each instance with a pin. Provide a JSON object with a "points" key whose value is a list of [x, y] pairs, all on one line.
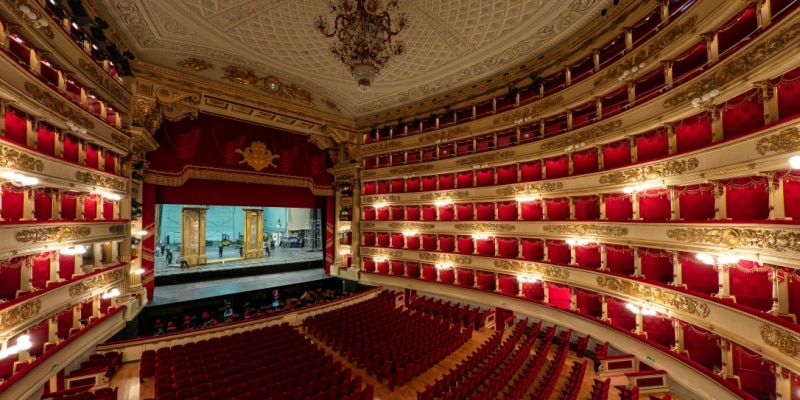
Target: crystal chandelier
{"points": [[364, 36]]}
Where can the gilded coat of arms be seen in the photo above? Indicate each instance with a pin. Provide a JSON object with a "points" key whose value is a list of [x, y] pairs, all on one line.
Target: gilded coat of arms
{"points": [[258, 156]]}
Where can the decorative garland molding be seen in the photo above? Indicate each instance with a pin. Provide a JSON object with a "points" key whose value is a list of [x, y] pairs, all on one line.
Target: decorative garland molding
{"points": [[452, 258], [370, 251], [583, 229], [785, 140], [485, 227], [100, 180], [594, 132], [785, 342], [452, 195], [530, 188], [13, 158], [96, 282], [367, 200], [485, 158], [410, 226], [777, 239], [550, 271], [653, 171], [528, 111], [52, 234], [20, 313], [655, 295], [410, 169]]}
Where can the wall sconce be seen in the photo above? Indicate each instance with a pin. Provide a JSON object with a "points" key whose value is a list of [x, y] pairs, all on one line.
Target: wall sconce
{"points": [[443, 202], [640, 309], [574, 147], [140, 234], [635, 189], [481, 236], [110, 196], [23, 343], [138, 271], [631, 71], [76, 128], [794, 162], [111, 293], [344, 252], [410, 233], [706, 99], [528, 278], [526, 198], [577, 242], [380, 259], [444, 266], [723, 259], [18, 179], [380, 204], [70, 251], [36, 21]]}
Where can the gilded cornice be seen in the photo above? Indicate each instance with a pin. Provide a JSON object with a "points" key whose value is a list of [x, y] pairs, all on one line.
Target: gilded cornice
{"points": [[786, 342], [530, 188], [778, 240], [567, 139], [367, 200], [519, 267], [218, 174], [484, 227], [522, 113], [52, 234], [663, 297], [652, 171], [409, 226], [584, 229], [411, 169], [15, 159], [451, 195], [21, 313], [378, 252], [739, 66], [484, 158], [100, 180], [444, 135], [95, 282], [104, 81], [445, 258], [783, 141], [59, 106]]}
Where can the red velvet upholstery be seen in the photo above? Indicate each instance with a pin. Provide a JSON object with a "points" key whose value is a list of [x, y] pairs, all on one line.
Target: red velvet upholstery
{"points": [[791, 193], [447, 243], [506, 174], [620, 316], [397, 240], [532, 211], [12, 202], [484, 212], [532, 249], [465, 277], [508, 247], [428, 272], [485, 247], [465, 244], [652, 145], [369, 238], [589, 303], [66, 266], [429, 242], [747, 198], [382, 266], [698, 276], [412, 242], [654, 204], [530, 171], [447, 212], [412, 185], [412, 213], [659, 329], [656, 265], [557, 209], [369, 213], [383, 213], [384, 187], [486, 281], [398, 185], [702, 346], [10, 275], [507, 211], [696, 202], [742, 114], [382, 239], [428, 183], [412, 269], [588, 256], [397, 267], [559, 296], [587, 208], [756, 374], [557, 167], [370, 188], [617, 154], [583, 162], [465, 212], [397, 213], [447, 181], [751, 285], [558, 252], [619, 259], [429, 213], [507, 284], [43, 204], [618, 207], [464, 179], [484, 177], [46, 140], [693, 133], [447, 275], [533, 291]]}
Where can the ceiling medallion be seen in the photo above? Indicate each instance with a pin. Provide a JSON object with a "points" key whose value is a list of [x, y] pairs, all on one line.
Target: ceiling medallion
{"points": [[269, 84], [363, 36], [195, 64]]}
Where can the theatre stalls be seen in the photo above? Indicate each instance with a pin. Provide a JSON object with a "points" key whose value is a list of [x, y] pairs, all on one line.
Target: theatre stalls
{"points": [[627, 189]]}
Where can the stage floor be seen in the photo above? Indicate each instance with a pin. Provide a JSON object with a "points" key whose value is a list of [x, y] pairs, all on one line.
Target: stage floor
{"points": [[180, 293], [230, 261]]}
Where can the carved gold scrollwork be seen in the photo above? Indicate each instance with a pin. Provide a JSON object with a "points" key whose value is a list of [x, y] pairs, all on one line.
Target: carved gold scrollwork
{"points": [[59, 106], [457, 194], [410, 169], [99, 180], [95, 282], [117, 229], [529, 111], [366, 200], [777, 240], [367, 225], [380, 146], [445, 258], [368, 251], [258, 156], [530, 188], [410, 226], [550, 271], [104, 81], [786, 140], [785, 342], [13, 158], [659, 170], [655, 295], [485, 227], [583, 229], [52, 234], [569, 139], [484, 158], [20, 313], [444, 134]]}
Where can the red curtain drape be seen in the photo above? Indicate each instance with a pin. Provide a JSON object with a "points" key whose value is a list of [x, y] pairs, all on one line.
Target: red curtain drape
{"points": [[465, 277], [396, 213], [447, 181], [508, 247], [396, 267], [464, 179], [532, 249], [698, 276], [484, 211], [412, 269], [397, 240], [558, 252], [751, 285], [485, 247], [533, 291], [756, 374], [110, 162], [43, 204], [652, 145], [655, 204], [464, 244], [428, 272], [484, 177], [584, 162], [617, 154], [588, 256], [447, 276], [92, 155], [149, 242], [412, 242], [507, 211], [66, 266], [382, 239], [382, 213], [742, 114], [447, 243], [428, 183], [384, 187], [382, 266], [747, 198], [589, 303], [369, 213], [620, 316], [398, 185], [791, 193], [446, 212], [507, 284], [46, 140], [412, 213], [486, 281], [557, 167], [659, 329], [429, 242], [16, 126], [90, 206], [370, 188], [70, 149], [40, 271], [465, 212], [532, 210], [693, 133], [618, 207], [702, 346], [656, 265], [506, 174], [587, 207], [369, 238], [412, 185], [369, 264], [108, 209]]}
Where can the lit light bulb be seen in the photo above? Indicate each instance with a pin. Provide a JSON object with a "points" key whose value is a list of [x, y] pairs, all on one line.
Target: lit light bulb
{"points": [[794, 162]]}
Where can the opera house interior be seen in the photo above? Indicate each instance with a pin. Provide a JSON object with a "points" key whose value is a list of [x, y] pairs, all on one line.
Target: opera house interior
{"points": [[511, 199]]}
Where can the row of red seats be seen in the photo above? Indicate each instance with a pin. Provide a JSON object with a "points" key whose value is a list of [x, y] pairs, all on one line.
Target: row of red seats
{"points": [[83, 393], [600, 389], [574, 381], [455, 313], [271, 363], [628, 393], [495, 383], [548, 383], [531, 370]]}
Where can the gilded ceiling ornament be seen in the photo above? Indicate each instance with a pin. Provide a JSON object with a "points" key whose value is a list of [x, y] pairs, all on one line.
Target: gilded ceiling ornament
{"points": [[485, 227], [298, 93], [785, 342], [99, 180], [583, 229], [195, 64], [452, 195], [597, 130], [652, 171], [484, 158], [23, 312], [95, 282], [258, 156], [785, 140], [776, 240], [52, 234], [410, 169], [410, 226], [58, 106], [240, 75], [663, 297], [444, 135], [550, 271], [331, 105], [736, 68], [530, 188], [15, 159], [526, 114], [445, 258]]}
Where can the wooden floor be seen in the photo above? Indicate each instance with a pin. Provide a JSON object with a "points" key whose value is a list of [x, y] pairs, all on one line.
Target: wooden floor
{"points": [[127, 379]]}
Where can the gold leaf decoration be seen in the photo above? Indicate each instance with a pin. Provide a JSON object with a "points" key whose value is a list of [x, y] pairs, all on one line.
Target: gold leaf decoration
{"points": [[530, 188], [95, 282], [380, 146], [529, 111], [58, 106], [367, 225], [410, 169], [484, 158], [485, 227], [117, 229], [410, 226], [258, 156], [550, 271], [100, 180], [452, 195], [444, 134], [583, 229], [776, 240], [102, 78], [23, 312], [15, 159], [445, 258], [366, 200], [569, 139], [786, 140], [195, 64], [653, 171], [378, 252], [666, 298], [52, 234], [785, 342]]}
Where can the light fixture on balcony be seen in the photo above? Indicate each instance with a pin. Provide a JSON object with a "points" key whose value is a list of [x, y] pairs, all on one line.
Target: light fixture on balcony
{"points": [[636, 309], [630, 72], [344, 252], [526, 198], [577, 242], [138, 271], [36, 20], [574, 147], [364, 36], [23, 343], [528, 278], [443, 266], [410, 233], [636, 189], [18, 179], [794, 162], [443, 202], [706, 99], [380, 259], [71, 251], [481, 236], [719, 260], [380, 204], [76, 128], [110, 196], [140, 234], [111, 293]]}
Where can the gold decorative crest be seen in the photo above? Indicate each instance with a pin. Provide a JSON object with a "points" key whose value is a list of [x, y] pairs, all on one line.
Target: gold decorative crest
{"points": [[444, 135], [195, 64], [380, 146], [258, 156], [20, 313], [410, 169], [456, 194], [785, 342], [484, 158], [786, 140], [559, 142], [13, 158], [61, 107], [100, 180], [659, 170], [529, 111], [117, 229], [377, 252], [240, 75], [583, 229], [52, 234], [519, 267], [410, 226], [777, 240], [367, 200], [485, 227], [530, 188], [445, 258], [95, 282], [655, 295]]}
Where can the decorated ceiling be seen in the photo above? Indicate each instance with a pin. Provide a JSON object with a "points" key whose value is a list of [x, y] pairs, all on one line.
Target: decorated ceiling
{"points": [[273, 47]]}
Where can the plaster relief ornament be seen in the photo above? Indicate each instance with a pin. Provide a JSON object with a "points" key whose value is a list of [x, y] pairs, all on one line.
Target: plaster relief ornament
{"points": [[258, 156]]}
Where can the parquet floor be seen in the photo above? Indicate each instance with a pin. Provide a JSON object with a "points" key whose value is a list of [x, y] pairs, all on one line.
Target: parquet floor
{"points": [[127, 379]]}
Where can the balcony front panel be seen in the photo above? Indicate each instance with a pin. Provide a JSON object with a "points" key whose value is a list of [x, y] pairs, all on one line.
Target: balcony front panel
{"points": [[26, 237]]}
